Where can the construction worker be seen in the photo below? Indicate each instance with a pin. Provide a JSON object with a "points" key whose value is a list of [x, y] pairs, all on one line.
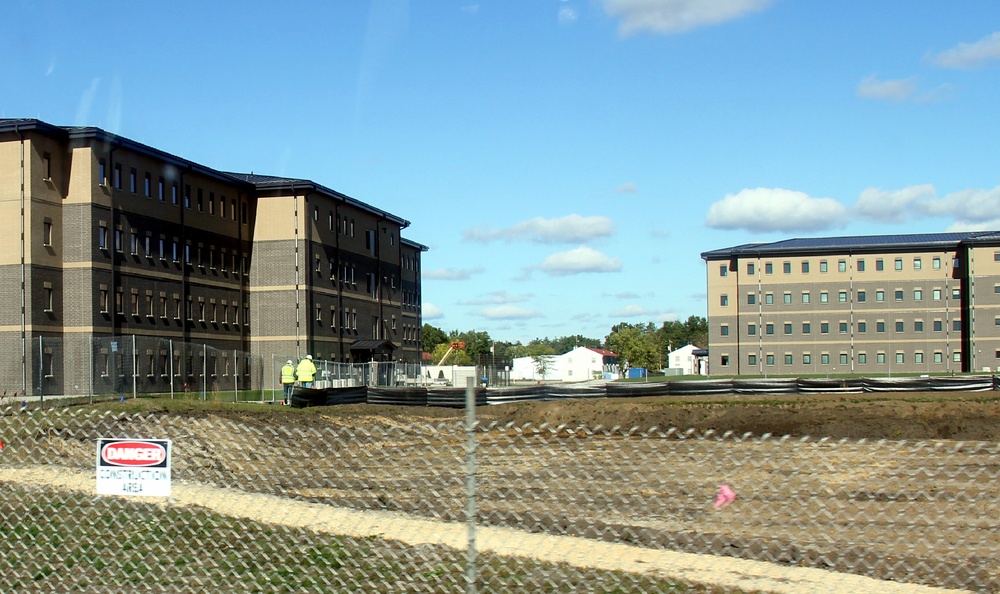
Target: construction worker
{"points": [[287, 379], [306, 371]]}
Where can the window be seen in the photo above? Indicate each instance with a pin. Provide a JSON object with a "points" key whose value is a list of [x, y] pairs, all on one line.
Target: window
{"points": [[805, 267], [788, 358], [899, 357], [879, 295], [133, 300], [860, 265], [807, 359], [751, 329], [843, 358], [787, 298], [824, 359], [843, 327], [132, 182], [47, 233], [862, 358], [824, 327], [102, 172], [724, 329], [723, 270], [917, 264], [751, 298], [768, 298], [806, 328], [880, 358], [768, 268], [222, 206], [48, 298], [102, 300], [770, 359], [118, 240], [786, 267], [751, 269], [898, 264], [956, 357], [201, 200], [187, 196], [724, 360], [842, 296], [936, 263], [918, 294], [117, 180], [879, 264], [805, 297], [938, 326], [319, 315], [173, 194], [751, 359], [956, 293], [824, 297], [898, 295], [880, 326], [822, 266], [133, 243], [862, 327], [936, 294], [841, 265], [938, 357], [147, 185], [788, 328], [769, 328], [918, 357], [861, 296], [956, 325], [160, 193]]}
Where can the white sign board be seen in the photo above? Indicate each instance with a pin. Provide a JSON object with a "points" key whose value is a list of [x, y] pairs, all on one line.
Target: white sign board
{"points": [[133, 467]]}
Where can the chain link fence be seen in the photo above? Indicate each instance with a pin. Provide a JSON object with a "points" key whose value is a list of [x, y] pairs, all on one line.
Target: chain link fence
{"points": [[286, 503]]}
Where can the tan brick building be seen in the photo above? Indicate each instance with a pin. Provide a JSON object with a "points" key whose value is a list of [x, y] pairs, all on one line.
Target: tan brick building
{"points": [[106, 237], [856, 305]]}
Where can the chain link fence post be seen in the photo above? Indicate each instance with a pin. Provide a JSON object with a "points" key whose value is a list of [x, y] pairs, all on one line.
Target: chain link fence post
{"points": [[470, 483]]}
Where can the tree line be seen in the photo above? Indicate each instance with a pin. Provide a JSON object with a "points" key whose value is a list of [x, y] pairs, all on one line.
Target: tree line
{"points": [[637, 345]]}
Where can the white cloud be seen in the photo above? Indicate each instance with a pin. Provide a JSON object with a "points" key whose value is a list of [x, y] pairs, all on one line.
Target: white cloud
{"points": [[429, 311], [762, 210], [638, 311], [962, 227], [901, 89], [453, 273], [508, 312], [674, 16], [569, 229], [967, 206], [971, 55], [893, 206], [496, 298], [579, 260], [627, 188]]}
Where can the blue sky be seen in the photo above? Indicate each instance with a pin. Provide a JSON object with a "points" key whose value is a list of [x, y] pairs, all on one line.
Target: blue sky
{"points": [[566, 161]]}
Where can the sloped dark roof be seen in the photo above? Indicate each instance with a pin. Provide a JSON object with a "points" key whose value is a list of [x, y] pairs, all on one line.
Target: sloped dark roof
{"points": [[277, 184], [855, 244], [372, 345]]}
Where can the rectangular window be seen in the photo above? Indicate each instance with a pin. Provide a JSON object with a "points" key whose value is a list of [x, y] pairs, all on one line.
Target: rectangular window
{"points": [[899, 357], [173, 194], [824, 327], [862, 358], [102, 300], [118, 240], [918, 326], [824, 297], [786, 267], [751, 329], [724, 300], [788, 358], [807, 359], [187, 196], [770, 359], [768, 298], [117, 181], [147, 185], [936, 263], [862, 327], [211, 203], [956, 357], [724, 360], [898, 263], [956, 293], [841, 265], [880, 358], [879, 264], [769, 328], [917, 264], [132, 173], [768, 268], [723, 270], [843, 327], [898, 295], [918, 294], [102, 172], [102, 238], [806, 328], [805, 297], [824, 359], [751, 360], [843, 358], [787, 298], [900, 326], [751, 269], [47, 233], [861, 296], [938, 357], [805, 267], [842, 296], [201, 200], [724, 329], [936, 294], [48, 298], [860, 265], [938, 326], [788, 328], [879, 295], [751, 298], [160, 193], [823, 266], [880, 326], [918, 357], [956, 325]]}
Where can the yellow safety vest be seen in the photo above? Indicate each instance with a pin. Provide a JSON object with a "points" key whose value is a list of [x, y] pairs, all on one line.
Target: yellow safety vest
{"points": [[306, 370], [287, 374]]}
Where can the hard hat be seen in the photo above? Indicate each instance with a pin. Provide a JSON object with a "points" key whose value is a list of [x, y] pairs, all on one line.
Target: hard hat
{"points": [[289, 361], [309, 356]]}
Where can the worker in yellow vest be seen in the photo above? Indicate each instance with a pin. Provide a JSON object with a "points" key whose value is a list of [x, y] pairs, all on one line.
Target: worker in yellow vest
{"points": [[306, 371], [287, 379]]}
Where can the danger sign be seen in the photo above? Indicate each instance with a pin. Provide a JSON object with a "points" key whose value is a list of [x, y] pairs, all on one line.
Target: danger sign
{"points": [[133, 467]]}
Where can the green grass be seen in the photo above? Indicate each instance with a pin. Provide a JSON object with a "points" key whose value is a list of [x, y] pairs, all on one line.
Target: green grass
{"points": [[71, 543]]}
